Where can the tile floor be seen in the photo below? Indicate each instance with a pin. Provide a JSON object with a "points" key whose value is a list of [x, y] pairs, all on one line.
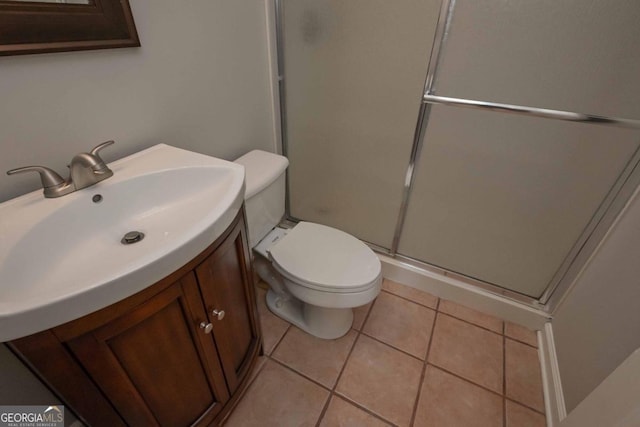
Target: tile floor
{"points": [[410, 360]]}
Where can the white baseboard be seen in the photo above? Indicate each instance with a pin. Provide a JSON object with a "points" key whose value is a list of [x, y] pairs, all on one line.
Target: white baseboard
{"points": [[463, 293], [551, 384]]}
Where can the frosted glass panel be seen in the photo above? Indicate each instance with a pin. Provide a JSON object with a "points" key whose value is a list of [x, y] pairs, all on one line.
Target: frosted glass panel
{"points": [[354, 75], [576, 55], [503, 198]]}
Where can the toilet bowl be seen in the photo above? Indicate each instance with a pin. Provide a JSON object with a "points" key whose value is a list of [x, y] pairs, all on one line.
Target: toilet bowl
{"points": [[316, 274]]}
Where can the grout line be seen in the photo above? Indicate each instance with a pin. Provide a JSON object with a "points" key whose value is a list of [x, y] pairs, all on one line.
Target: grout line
{"points": [[537, 411], [413, 301], [363, 408], [410, 300], [325, 407], [335, 384], [255, 376], [366, 316], [286, 331], [472, 324], [465, 379], [413, 356], [521, 342], [424, 368], [284, 365], [344, 365], [504, 376]]}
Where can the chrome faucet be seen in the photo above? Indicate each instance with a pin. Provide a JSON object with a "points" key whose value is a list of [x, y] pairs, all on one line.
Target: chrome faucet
{"points": [[85, 170]]}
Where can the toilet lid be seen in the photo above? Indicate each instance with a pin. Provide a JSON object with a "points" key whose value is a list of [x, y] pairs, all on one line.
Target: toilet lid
{"points": [[324, 258]]}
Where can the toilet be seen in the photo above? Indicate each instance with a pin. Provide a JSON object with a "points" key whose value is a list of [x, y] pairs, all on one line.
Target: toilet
{"points": [[316, 274]]}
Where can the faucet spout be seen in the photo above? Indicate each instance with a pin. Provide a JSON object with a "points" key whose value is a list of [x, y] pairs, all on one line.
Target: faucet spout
{"points": [[88, 168], [85, 174]]}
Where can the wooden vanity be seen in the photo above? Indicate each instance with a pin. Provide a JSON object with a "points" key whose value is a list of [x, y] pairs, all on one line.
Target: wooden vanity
{"points": [[178, 353]]}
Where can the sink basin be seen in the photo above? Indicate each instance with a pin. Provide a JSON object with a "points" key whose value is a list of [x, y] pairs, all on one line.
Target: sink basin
{"points": [[63, 258]]}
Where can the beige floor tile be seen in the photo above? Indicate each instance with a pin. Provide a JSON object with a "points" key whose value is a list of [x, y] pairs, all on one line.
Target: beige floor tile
{"points": [[273, 327], [523, 375], [471, 315], [279, 398], [320, 360], [415, 295], [521, 333], [448, 401], [469, 351], [401, 324], [359, 316], [341, 413], [381, 379], [519, 416]]}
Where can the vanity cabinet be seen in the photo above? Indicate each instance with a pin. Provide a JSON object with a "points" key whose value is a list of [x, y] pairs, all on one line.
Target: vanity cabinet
{"points": [[175, 354]]}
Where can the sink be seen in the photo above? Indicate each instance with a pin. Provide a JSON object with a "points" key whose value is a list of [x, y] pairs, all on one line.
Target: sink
{"points": [[63, 258]]}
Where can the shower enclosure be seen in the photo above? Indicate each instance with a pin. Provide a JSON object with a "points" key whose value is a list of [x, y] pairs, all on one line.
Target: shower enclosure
{"points": [[492, 141]]}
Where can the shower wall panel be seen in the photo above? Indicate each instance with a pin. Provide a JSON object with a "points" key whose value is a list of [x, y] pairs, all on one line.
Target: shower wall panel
{"points": [[354, 73]]}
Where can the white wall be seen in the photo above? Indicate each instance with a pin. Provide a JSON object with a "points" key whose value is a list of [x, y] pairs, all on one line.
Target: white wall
{"points": [[598, 324], [614, 403], [200, 81]]}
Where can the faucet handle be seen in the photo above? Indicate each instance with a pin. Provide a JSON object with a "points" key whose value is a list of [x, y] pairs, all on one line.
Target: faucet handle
{"points": [[97, 148], [53, 185], [48, 177]]}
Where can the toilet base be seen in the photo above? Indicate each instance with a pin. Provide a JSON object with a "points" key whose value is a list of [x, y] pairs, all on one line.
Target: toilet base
{"points": [[321, 322]]}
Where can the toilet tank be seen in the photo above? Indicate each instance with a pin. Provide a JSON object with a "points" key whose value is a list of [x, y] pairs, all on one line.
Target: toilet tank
{"points": [[264, 192]]}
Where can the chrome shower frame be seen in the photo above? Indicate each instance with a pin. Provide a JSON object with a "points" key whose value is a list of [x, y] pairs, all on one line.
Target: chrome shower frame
{"points": [[604, 217]]}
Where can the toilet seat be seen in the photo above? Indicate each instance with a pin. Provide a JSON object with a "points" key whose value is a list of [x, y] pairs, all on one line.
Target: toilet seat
{"points": [[325, 259]]}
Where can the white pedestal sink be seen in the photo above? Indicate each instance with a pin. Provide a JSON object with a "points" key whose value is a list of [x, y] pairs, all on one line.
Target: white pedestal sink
{"points": [[63, 258]]}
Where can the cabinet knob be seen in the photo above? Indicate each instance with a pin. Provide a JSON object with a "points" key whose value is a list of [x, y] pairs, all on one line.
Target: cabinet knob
{"points": [[219, 314], [207, 327]]}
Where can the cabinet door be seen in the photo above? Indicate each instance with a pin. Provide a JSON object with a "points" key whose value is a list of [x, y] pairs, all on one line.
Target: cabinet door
{"points": [[226, 285], [155, 364]]}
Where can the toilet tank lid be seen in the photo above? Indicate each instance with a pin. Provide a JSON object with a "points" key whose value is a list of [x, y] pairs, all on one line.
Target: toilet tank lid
{"points": [[261, 169]]}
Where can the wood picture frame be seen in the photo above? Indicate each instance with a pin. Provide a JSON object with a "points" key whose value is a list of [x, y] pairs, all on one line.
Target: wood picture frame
{"points": [[42, 27]]}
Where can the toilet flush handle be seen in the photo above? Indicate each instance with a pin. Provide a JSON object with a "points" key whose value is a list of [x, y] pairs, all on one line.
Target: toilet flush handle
{"points": [[219, 314]]}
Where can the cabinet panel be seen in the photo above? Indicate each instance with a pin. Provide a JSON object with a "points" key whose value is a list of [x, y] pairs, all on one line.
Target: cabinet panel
{"points": [[134, 359], [225, 285], [44, 353]]}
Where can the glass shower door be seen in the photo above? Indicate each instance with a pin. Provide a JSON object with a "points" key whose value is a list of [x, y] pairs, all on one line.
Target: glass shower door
{"points": [[505, 200], [354, 71], [509, 200]]}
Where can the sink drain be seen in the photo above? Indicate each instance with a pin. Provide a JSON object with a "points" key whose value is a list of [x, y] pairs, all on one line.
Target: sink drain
{"points": [[132, 237]]}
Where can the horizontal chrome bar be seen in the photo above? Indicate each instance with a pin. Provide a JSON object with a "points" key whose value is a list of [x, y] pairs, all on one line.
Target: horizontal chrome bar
{"points": [[532, 111]]}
